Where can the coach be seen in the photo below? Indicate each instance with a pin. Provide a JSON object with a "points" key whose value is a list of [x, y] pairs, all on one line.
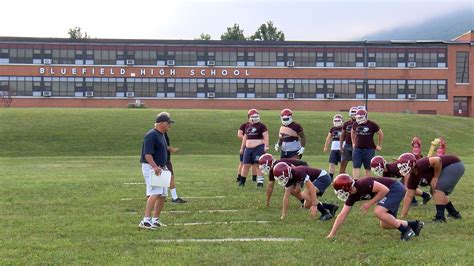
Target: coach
{"points": [[153, 158]]}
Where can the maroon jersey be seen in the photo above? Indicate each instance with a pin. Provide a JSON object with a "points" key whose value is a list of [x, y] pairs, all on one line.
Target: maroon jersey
{"points": [[242, 127], [364, 188], [426, 171], [291, 132], [288, 161], [392, 170], [347, 127], [335, 133], [299, 173], [365, 134], [255, 131]]}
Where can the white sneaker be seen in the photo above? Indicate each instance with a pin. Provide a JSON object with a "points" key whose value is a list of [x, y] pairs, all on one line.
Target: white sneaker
{"points": [[147, 225], [158, 223]]}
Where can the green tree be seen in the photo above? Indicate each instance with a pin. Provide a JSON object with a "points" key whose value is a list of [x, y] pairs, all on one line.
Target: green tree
{"points": [[76, 33], [204, 37], [268, 32], [233, 33]]}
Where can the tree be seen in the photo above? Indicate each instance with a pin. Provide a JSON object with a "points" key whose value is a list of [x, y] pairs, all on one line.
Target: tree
{"points": [[204, 37], [233, 33], [268, 32], [76, 33]]}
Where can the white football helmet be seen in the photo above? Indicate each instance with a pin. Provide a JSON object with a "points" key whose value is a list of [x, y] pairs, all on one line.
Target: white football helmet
{"points": [[253, 115], [361, 116]]}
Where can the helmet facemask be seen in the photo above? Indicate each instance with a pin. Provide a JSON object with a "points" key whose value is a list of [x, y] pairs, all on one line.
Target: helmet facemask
{"points": [[378, 170], [255, 118], [286, 120], [282, 180], [361, 119], [341, 194], [404, 168]]}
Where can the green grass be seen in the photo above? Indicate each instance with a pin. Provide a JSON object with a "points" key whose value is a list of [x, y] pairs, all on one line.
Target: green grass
{"points": [[63, 175]]}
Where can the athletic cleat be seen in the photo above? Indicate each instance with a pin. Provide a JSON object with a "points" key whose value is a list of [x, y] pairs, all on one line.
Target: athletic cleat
{"points": [[259, 184], [158, 223], [325, 217], [419, 226], [179, 200], [147, 225], [333, 210], [254, 179], [426, 199], [241, 184], [407, 235], [455, 216], [439, 220]]}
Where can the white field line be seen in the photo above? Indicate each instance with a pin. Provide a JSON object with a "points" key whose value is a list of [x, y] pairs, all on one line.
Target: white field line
{"points": [[197, 197], [212, 223], [220, 240], [201, 211], [134, 183]]}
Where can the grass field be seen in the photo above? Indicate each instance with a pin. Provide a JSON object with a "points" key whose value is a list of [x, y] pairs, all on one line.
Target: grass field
{"points": [[71, 193]]}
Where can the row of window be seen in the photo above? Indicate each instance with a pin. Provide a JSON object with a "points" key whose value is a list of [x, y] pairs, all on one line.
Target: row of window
{"points": [[324, 57], [225, 88]]}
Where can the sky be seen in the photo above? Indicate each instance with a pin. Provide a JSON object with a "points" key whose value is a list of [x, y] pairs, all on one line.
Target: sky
{"points": [[300, 20]]}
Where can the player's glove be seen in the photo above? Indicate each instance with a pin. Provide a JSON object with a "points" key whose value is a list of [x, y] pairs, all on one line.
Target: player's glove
{"points": [[300, 151], [277, 147]]}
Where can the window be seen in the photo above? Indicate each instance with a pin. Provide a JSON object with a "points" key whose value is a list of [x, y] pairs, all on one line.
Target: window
{"points": [[462, 67], [225, 88], [265, 88], [305, 88]]}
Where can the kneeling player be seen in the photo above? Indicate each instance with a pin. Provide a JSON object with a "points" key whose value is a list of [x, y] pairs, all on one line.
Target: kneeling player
{"points": [[384, 192], [316, 181], [381, 168]]}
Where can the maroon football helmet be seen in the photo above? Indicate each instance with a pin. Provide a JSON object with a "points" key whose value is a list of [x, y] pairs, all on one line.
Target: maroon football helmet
{"points": [[253, 115], [265, 162], [286, 116], [377, 164], [282, 173], [361, 116], [405, 163], [343, 184], [337, 120]]}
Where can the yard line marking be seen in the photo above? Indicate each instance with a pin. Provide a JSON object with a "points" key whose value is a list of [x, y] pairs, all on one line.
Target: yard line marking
{"points": [[200, 211], [219, 240], [196, 197], [134, 183], [205, 197], [212, 223]]}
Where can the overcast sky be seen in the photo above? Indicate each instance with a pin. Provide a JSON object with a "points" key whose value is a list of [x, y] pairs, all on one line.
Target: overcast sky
{"points": [[186, 19]]}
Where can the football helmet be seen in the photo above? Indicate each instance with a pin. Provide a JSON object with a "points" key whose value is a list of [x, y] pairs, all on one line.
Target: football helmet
{"points": [[253, 115], [441, 148], [416, 142], [343, 184], [361, 116], [377, 164], [337, 120], [286, 116], [282, 173], [353, 111], [265, 162], [405, 163]]}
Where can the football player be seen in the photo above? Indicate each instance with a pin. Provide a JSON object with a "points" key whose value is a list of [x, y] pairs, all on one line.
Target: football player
{"points": [[254, 144], [346, 140], [291, 137], [416, 147], [441, 172], [384, 192], [240, 136], [315, 180], [381, 168], [362, 134], [266, 163], [334, 136]]}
